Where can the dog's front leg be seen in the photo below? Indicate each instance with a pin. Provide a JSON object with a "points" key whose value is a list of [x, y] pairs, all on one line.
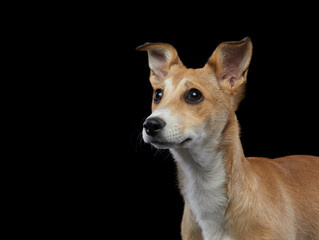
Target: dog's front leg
{"points": [[190, 228]]}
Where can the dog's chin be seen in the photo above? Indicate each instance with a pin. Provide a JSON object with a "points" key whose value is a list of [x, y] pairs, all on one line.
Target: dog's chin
{"points": [[160, 144]]}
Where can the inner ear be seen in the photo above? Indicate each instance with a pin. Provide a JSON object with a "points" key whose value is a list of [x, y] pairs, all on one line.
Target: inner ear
{"points": [[230, 63], [161, 56], [159, 60]]}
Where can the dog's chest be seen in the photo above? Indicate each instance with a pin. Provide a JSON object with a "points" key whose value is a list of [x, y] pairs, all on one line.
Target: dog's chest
{"points": [[205, 192]]}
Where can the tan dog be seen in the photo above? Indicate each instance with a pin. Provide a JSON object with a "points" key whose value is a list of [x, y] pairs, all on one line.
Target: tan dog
{"points": [[227, 196]]}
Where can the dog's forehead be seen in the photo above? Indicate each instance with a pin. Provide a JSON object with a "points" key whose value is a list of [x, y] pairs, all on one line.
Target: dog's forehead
{"points": [[186, 78]]}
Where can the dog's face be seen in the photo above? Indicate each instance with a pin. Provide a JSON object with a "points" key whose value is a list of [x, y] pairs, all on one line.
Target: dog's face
{"points": [[186, 106], [191, 106]]}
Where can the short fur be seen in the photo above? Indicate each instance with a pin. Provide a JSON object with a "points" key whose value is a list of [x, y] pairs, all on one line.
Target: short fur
{"points": [[227, 196]]}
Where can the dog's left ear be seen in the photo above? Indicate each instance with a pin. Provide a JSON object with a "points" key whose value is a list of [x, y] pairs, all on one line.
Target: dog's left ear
{"points": [[161, 56], [230, 63]]}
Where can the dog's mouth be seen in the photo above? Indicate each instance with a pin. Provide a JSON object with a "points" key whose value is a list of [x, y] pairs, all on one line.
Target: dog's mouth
{"points": [[167, 144]]}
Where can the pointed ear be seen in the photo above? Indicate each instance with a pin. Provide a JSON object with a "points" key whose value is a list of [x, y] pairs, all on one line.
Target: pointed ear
{"points": [[230, 63], [161, 56]]}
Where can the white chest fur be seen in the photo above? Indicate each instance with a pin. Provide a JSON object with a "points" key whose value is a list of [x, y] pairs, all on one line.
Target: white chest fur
{"points": [[204, 182]]}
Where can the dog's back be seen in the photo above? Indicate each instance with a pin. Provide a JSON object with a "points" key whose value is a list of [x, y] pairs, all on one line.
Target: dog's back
{"points": [[299, 174], [286, 196]]}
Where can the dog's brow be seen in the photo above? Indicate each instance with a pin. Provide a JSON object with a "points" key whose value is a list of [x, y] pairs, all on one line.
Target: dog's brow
{"points": [[168, 84], [184, 82], [171, 87]]}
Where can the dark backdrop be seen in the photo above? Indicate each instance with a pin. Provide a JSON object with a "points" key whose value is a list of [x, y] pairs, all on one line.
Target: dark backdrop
{"points": [[120, 185]]}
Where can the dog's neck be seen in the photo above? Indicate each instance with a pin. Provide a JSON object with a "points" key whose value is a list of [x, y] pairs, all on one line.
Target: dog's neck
{"points": [[206, 173]]}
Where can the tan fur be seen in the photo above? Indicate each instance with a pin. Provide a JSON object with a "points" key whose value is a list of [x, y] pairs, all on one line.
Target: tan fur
{"points": [[268, 199], [190, 229]]}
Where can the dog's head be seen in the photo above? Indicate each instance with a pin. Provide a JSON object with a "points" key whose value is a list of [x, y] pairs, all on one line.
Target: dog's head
{"points": [[191, 106]]}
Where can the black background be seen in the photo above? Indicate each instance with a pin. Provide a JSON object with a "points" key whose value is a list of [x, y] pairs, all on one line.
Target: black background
{"points": [[116, 184]]}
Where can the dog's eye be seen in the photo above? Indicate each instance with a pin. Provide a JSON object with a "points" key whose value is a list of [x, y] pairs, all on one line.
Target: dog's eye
{"points": [[193, 96], [158, 95]]}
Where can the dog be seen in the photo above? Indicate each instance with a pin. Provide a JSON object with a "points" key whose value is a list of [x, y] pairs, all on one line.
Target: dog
{"points": [[227, 196]]}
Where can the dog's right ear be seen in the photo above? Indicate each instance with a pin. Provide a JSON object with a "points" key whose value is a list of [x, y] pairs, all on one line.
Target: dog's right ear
{"points": [[161, 56]]}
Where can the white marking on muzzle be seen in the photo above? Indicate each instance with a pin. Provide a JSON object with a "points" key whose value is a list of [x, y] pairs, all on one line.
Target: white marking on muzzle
{"points": [[171, 133]]}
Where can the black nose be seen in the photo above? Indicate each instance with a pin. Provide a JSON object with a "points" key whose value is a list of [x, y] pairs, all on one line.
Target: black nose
{"points": [[153, 126]]}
